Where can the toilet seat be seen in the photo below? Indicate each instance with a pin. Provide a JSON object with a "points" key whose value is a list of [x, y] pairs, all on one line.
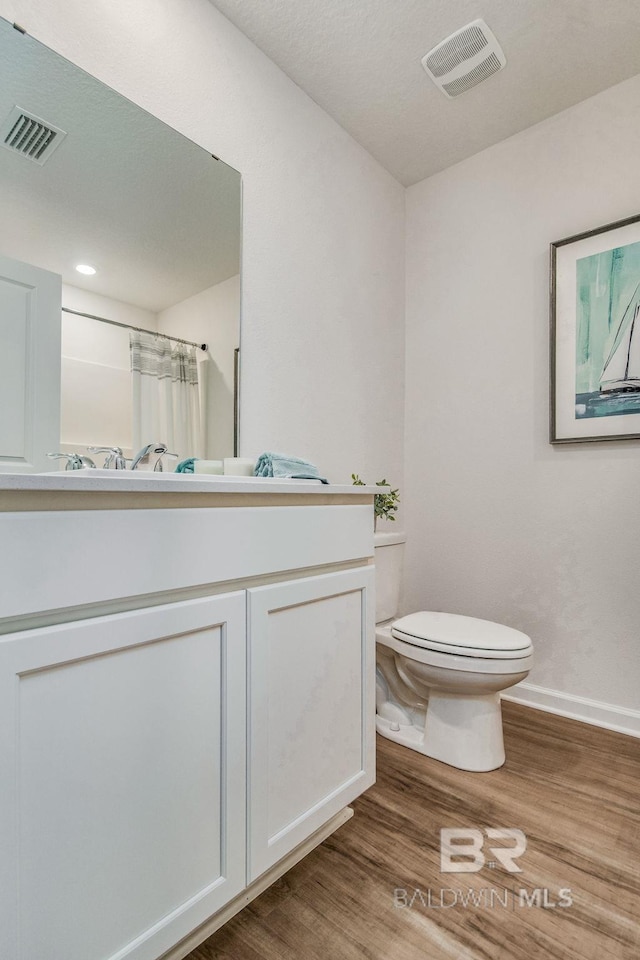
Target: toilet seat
{"points": [[455, 635], [512, 663]]}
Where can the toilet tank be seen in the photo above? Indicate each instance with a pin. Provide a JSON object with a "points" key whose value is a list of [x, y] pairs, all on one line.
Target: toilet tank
{"points": [[389, 554]]}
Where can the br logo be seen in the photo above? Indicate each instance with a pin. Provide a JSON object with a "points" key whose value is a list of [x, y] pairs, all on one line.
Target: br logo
{"points": [[467, 846]]}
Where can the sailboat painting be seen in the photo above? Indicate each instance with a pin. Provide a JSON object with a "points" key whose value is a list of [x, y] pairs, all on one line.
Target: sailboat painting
{"points": [[608, 333], [596, 334]]}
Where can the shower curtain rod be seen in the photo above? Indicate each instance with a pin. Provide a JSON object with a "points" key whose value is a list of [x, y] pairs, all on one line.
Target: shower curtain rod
{"points": [[128, 326]]}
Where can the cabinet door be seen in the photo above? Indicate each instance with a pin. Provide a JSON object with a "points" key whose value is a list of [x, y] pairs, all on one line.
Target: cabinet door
{"points": [[122, 780], [30, 302], [311, 706]]}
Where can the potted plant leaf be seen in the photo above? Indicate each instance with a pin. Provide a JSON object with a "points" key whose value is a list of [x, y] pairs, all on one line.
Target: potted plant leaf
{"points": [[385, 504]]}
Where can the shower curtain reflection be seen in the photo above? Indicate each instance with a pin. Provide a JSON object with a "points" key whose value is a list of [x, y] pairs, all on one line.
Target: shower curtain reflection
{"points": [[166, 396]]}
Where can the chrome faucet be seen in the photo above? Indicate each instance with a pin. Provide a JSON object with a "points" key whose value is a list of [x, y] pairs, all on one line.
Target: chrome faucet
{"points": [[74, 460], [114, 459], [152, 448]]}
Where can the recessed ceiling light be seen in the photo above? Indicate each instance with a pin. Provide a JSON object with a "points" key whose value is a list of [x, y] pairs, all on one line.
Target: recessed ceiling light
{"points": [[86, 269]]}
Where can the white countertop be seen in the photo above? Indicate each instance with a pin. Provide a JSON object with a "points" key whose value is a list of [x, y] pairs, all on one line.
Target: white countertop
{"points": [[127, 481]]}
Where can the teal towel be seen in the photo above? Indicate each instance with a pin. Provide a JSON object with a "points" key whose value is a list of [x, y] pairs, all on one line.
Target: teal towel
{"points": [[280, 465], [186, 466]]}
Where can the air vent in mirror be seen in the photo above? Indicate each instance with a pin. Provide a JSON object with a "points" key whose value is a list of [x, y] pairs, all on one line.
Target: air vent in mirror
{"points": [[30, 136]]}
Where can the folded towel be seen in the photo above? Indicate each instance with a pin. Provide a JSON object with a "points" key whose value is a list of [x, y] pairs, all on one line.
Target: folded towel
{"points": [[280, 465], [186, 466]]}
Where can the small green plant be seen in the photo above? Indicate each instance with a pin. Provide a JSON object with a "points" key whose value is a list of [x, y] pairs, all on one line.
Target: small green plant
{"points": [[384, 504]]}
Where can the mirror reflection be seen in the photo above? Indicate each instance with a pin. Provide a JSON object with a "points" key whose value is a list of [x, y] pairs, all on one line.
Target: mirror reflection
{"points": [[143, 228]]}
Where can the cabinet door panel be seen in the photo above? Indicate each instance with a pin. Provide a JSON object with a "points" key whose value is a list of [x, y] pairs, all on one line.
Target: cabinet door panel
{"points": [[311, 714], [30, 301], [127, 778]]}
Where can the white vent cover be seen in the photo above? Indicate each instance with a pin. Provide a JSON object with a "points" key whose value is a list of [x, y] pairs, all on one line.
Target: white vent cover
{"points": [[30, 136], [464, 59]]}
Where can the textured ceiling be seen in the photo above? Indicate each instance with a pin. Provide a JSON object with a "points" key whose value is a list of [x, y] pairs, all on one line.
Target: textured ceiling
{"points": [[360, 61], [154, 212]]}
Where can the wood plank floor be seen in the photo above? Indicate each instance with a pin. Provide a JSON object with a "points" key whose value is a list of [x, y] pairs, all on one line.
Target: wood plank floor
{"points": [[573, 789]]}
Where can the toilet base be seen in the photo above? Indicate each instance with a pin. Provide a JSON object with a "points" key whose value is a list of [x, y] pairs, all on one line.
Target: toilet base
{"points": [[464, 731]]}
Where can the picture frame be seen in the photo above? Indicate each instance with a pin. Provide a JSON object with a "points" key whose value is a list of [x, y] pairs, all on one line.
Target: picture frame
{"points": [[595, 334]]}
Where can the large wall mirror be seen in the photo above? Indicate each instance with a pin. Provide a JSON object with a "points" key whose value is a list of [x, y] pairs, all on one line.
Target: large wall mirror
{"points": [[88, 179]]}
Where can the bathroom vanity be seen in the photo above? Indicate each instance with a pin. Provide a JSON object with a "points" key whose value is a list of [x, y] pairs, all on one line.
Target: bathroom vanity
{"points": [[187, 698]]}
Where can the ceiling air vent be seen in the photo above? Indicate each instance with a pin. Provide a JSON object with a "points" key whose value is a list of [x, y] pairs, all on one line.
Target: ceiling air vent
{"points": [[30, 136], [464, 59]]}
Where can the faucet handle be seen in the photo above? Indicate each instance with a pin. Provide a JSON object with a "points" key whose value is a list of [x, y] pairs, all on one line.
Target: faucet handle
{"points": [[115, 457], [74, 460]]}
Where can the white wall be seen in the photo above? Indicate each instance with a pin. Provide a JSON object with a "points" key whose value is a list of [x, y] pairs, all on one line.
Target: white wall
{"points": [[501, 524], [322, 335], [211, 317]]}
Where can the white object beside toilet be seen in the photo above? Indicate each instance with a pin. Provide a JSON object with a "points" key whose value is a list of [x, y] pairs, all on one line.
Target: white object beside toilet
{"points": [[439, 675]]}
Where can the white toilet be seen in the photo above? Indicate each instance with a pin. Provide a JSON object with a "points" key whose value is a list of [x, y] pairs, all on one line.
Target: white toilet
{"points": [[439, 674]]}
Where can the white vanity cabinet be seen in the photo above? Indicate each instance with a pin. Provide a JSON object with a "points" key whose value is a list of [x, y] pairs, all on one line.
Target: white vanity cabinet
{"points": [[123, 775], [181, 717], [311, 746]]}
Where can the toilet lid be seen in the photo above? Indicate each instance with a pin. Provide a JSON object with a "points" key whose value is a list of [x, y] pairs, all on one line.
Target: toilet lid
{"points": [[452, 633]]}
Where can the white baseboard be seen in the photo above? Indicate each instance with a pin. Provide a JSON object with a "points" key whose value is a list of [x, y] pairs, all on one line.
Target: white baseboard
{"points": [[620, 719]]}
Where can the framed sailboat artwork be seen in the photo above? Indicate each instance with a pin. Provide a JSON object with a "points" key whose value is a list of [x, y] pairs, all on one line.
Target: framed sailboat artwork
{"points": [[595, 334]]}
